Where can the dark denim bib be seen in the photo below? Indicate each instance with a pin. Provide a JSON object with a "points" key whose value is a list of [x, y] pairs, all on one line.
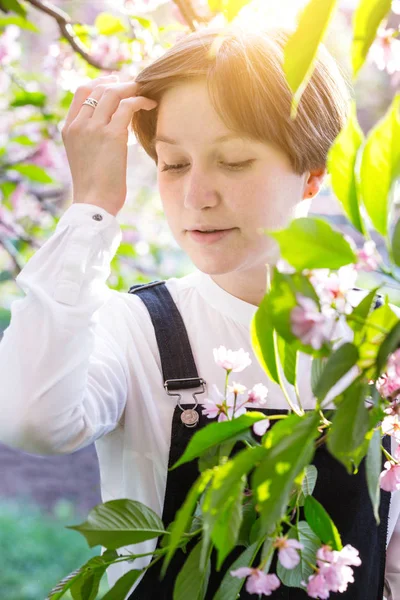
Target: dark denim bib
{"points": [[344, 496]]}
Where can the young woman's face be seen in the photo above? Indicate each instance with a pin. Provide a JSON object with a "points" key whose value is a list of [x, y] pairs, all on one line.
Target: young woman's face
{"points": [[205, 190]]}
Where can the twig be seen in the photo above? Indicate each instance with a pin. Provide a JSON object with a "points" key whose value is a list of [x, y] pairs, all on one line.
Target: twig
{"points": [[65, 26]]}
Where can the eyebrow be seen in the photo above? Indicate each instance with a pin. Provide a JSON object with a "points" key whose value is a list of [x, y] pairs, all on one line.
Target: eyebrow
{"points": [[217, 140]]}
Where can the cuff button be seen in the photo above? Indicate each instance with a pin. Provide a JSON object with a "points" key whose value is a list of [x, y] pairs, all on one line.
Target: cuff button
{"points": [[97, 217]]}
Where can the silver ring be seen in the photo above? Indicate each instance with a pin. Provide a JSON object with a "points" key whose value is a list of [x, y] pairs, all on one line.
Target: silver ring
{"points": [[91, 102]]}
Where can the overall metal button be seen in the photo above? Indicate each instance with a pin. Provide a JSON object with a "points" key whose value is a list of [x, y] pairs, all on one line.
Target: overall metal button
{"points": [[97, 217]]}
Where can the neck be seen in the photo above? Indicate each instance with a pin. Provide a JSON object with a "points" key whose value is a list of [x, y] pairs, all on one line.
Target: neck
{"points": [[249, 286]]}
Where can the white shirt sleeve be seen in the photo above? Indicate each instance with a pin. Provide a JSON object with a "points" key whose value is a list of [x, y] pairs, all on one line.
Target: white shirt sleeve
{"points": [[63, 377]]}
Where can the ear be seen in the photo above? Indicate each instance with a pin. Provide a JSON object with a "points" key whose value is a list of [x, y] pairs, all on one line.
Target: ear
{"points": [[313, 182]]}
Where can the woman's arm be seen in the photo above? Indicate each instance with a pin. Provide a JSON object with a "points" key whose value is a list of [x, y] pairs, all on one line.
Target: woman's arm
{"points": [[63, 377]]}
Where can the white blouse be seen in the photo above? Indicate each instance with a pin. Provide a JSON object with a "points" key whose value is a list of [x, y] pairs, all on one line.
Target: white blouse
{"points": [[79, 363]]}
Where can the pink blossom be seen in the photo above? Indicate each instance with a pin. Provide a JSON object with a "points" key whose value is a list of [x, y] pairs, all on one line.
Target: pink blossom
{"points": [[387, 386], [258, 582], [309, 324], [287, 551], [258, 395], [230, 360], [44, 155], [317, 587], [391, 426], [334, 571], [368, 257], [261, 427], [217, 407], [389, 383], [389, 479], [109, 50], [10, 49], [334, 287], [385, 51]]}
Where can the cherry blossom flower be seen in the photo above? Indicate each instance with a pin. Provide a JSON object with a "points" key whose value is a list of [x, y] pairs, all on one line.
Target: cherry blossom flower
{"points": [[10, 49], [109, 50], [391, 426], [389, 479], [309, 324], [231, 360], [258, 395], [368, 257], [317, 587], [334, 287], [396, 7], [385, 51], [261, 427], [287, 551], [216, 406], [389, 383], [387, 386], [236, 388], [258, 582], [334, 571]]}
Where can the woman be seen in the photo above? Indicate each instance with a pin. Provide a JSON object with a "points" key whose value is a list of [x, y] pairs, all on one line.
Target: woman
{"points": [[213, 114]]}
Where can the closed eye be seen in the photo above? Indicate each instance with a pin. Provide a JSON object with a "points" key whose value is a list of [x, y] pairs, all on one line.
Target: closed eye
{"points": [[235, 166]]}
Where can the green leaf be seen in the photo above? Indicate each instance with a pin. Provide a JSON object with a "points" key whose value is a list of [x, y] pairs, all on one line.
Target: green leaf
{"points": [[96, 563], [183, 515], [383, 318], [350, 424], [388, 346], [317, 367], [87, 587], [305, 535], [373, 466], [318, 245], [223, 500], [13, 6], [32, 98], [122, 586], [249, 517], [396, 244], [216, 433], [119, 523], [20, 22], [302, 47], [321, 523], [366, 20], [281, 300], [361, 313], [288, 354], [288, 454], [231, 586], [262, 341], [341, 163], [191, 581], [33, 172], [380, 166], [310, 479], [24, 140], [108, 24], [337, 365]]}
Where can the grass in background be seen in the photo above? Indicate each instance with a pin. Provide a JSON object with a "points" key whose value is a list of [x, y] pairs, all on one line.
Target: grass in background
{"points": [[37, 551]]}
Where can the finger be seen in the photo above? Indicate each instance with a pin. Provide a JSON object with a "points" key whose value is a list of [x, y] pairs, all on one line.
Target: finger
{"points": [[111, 99], [123, 115], [81, 94]]}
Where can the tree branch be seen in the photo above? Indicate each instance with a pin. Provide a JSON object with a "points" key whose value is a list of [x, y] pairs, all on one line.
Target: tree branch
{"points": [[65, 26]]}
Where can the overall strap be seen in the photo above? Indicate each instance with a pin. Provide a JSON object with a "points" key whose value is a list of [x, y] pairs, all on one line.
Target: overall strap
{"points": [[177, 361]]}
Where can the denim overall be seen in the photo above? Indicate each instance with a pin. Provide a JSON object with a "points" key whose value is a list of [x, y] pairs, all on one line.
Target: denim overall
{"points": [[344, 496]]}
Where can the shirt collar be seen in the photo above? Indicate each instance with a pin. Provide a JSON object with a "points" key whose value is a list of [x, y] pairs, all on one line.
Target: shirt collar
{"points": [[231, 306]]}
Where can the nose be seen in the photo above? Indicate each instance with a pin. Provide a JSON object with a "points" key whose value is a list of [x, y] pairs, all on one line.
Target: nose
{"points": [[199, 190]]}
